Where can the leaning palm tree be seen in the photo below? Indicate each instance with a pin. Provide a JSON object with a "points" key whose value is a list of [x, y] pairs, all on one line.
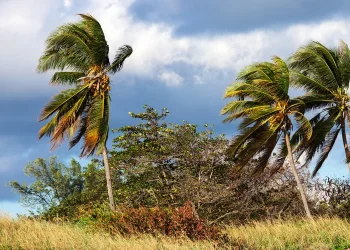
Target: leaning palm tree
{"points": [[266, 111], [79, 52], [325, 74]]}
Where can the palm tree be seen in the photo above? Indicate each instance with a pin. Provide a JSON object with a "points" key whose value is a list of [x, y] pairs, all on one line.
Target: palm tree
{"points": [[266, 111], [325, 74], [79, 52]]}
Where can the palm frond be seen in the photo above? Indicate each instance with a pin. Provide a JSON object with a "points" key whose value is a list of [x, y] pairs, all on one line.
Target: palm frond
{"points": [[316, 61], [123, 53], [100, 48], [97, 127], [300, 80], [256, 144], [281, 73], [304, 125], [66, 78], [326, 148], [257, 93], [343, 54], [68, 96], [65, 51], [265, 154]]}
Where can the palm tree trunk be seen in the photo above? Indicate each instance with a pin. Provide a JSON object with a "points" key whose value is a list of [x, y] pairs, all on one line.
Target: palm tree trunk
{"points": [[108, 179], [294, 170], [345, 142]]}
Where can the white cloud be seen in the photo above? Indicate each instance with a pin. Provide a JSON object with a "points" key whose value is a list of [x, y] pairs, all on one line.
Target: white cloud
{"points": [[157, 48], [206, 59], [170, 78], [67, 3]]}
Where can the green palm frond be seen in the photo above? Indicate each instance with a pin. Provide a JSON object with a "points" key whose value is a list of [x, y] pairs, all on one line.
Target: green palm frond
{"points": [[316, 101], [265, 153], [343, 54], [100, 48], [311, 59], [321, 129], [240, 90], [65, 51], [326, 148], [256, 144], [66, 78], [123, 53], [300, 80], [66, 97], [281, 71], [304, 125]]}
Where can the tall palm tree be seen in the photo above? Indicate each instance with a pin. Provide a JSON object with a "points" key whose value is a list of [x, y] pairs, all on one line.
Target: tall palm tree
{"points": [[79, 52], [325, 74], [266, 111]]}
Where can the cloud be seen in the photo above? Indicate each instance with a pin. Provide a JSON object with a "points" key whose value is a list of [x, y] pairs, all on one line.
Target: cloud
{"points": [[67, 3], [157, 48], [170, 78], [225, 16]]}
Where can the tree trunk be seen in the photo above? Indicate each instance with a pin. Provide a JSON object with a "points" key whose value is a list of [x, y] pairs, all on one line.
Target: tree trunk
{"points": [[294, 170], [108, 180], [345, 142]]}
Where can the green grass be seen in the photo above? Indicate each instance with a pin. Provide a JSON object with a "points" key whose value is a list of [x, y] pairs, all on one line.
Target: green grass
{"points": [[324, 233]]}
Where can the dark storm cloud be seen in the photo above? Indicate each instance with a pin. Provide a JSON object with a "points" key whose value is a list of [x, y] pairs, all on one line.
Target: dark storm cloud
{"points": [[223, 16]]}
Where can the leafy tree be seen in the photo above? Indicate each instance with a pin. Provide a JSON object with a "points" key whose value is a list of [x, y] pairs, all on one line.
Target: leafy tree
{"points": [[325, 74], [80, 52], [54, 182], [267, 112], [167, 164]]}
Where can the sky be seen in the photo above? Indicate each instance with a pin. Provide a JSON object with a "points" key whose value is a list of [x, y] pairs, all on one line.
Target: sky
{"points": [[185, 54]]}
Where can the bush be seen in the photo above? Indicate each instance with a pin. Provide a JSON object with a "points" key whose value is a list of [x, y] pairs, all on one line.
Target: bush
{"points": [[167, 221]]}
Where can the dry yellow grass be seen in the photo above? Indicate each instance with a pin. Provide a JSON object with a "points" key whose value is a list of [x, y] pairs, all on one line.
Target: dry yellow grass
{"points": [[35, 235], [325, 233]]}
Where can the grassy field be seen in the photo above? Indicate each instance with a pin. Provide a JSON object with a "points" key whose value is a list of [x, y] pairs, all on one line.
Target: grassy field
{"points": [[325, 233]]}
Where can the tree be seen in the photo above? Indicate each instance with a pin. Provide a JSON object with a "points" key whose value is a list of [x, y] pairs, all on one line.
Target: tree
{"points": [[54, 182], [266, 111], [80, 52], [325, 74], [165, 164]]}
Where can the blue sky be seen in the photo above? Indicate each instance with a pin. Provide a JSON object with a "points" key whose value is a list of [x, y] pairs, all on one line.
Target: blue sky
{"points": [[185, 54]]}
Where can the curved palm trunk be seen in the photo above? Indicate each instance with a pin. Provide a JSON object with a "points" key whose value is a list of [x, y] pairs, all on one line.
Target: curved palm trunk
{"points": [[345, 142], [108, 179], [294, 170]]}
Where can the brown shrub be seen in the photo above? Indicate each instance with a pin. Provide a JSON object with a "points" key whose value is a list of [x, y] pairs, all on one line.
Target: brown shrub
{"points": [[167, 221]]}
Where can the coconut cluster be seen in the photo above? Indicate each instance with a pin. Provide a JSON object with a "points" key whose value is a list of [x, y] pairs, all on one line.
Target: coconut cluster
{"points": [[99, 80]]}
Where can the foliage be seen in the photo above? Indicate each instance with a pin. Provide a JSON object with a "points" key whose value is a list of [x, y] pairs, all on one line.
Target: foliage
{"points": [[177, 222], [54, 183], [80, 52], [266, 113], [325, 74], [165, 164], [58, 189], [333, 197]]}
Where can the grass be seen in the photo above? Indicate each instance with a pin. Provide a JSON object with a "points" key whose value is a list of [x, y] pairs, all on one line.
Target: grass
{"points": [[325, 233]]}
